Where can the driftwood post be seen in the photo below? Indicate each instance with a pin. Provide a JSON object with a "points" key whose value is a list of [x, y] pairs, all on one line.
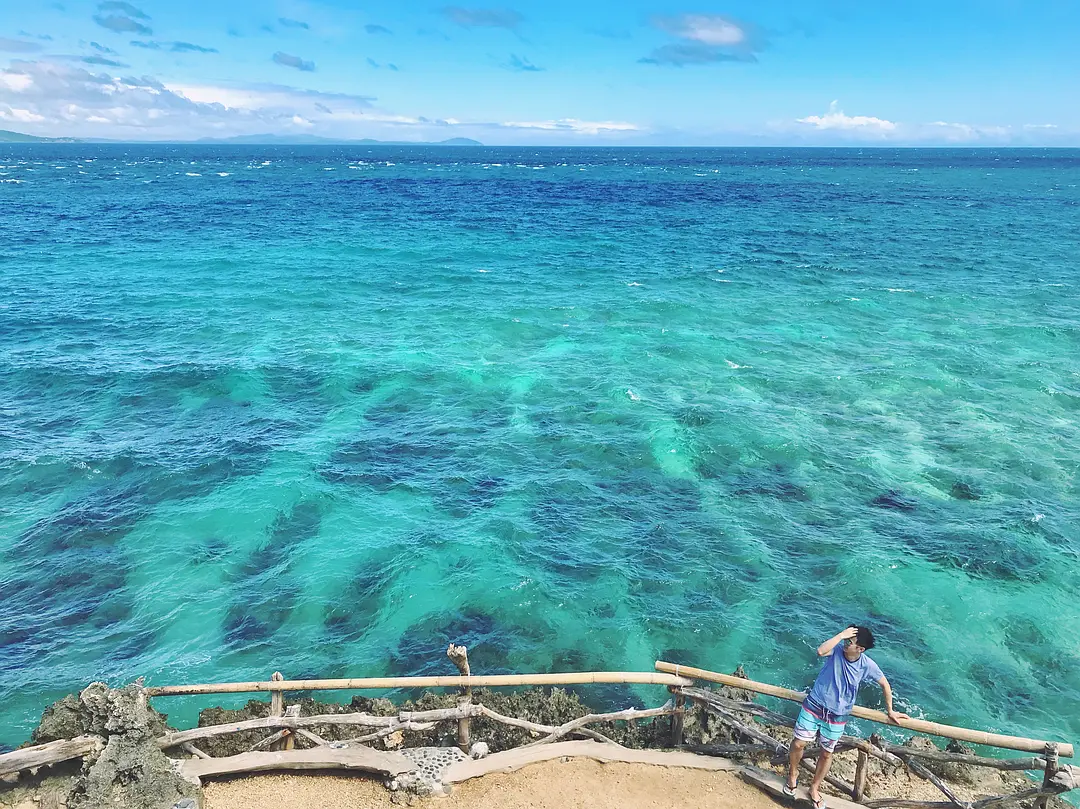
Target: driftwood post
{"points": [[1051, 756], [677, 721], [860, 778], [277, 704], [290, 740], [459, 655]]}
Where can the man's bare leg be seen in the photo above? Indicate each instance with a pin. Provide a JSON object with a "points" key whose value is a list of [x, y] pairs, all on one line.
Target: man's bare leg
{"points": [[823, 763], [794, 757]]}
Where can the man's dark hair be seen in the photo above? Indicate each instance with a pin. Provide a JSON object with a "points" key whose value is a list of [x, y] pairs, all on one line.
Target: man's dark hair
{"points": [[864, 637]]}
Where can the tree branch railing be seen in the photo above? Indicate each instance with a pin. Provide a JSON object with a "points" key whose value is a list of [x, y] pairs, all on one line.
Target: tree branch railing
{"points": [[746, 720]]}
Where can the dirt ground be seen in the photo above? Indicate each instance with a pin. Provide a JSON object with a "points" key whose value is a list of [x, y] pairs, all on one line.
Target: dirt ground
{"points": [[574, 784]]}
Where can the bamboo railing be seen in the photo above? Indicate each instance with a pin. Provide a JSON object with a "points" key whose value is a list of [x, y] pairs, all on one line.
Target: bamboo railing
{"points": [[916, 725], [387, 683]]}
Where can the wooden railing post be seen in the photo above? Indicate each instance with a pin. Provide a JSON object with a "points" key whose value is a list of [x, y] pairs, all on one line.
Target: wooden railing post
{"points": [[290, 740], [277, 704], [1051, 756], [677, 720], [460, 657], [860, 777]]}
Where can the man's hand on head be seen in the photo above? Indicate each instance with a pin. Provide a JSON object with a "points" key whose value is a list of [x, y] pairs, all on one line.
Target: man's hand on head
{"points": [[849, 634]]}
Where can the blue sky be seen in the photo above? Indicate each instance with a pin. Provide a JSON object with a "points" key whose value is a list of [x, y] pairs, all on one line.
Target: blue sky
{"points": [[688, 73]]}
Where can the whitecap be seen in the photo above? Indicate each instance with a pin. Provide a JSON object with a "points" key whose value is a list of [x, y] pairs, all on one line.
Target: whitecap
{"points": [[223, 174], [722, 280], [17, 182], [633, 396], [483, 270], [891, 289], [634, 284], [734, 365], [191, 174]]}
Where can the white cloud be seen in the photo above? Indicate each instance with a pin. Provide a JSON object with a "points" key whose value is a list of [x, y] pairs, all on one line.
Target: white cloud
{"points": [[835, 118], [20, 116], [704, 39], [574, 125], [712, 29], [16, 82], [964, 133], [57, 98]]}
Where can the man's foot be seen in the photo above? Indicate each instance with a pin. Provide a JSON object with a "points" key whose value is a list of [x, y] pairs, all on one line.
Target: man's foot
{"points": [[789, 787], [817, 800]]}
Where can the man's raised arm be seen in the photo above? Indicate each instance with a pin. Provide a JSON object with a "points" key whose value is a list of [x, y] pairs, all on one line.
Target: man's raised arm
{"points": [[826, 648]]}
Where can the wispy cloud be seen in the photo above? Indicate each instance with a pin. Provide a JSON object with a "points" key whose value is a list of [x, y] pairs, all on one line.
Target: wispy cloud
{"points": [[125, 8], [288, 60], [101, 60], [704, 39], [608, 33], [122, 25], [97, 46], [836, 119], [519, 64], [377, 66], [188, 47], [573, 125], [173, 47], [288, 23], [483, 17], [67, 98], [18, 46], [965, 133], [377, 29]]}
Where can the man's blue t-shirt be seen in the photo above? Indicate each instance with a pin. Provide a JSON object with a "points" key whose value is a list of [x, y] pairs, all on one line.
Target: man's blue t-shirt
{"points": [[838, 683]]}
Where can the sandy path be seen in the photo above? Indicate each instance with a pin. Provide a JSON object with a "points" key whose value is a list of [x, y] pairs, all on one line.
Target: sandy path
{"points": [[575, 784]]}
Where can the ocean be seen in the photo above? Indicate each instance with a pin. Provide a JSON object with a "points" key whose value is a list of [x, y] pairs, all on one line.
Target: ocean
{"points": [[323, 410]]}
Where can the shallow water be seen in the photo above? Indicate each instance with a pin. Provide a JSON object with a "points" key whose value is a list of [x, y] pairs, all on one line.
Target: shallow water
{"points": [[323, 410]]}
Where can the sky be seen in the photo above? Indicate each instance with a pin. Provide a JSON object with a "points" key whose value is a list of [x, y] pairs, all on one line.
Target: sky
{"points": [[590, 72]]}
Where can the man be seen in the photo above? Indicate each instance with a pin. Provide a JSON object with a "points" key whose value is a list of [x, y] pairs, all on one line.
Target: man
{"points": [[825, 709]]}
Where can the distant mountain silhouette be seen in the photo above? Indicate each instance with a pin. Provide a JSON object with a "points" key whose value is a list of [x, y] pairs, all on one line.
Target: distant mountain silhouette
{"points": [[310, 140], [7, 136]]}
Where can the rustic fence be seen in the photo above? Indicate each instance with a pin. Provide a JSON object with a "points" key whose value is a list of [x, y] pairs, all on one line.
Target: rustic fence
{"points": [[748, 721]]}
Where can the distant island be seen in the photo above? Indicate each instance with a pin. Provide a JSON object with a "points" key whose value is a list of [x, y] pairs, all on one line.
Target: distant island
{"points": [[6, 136]]}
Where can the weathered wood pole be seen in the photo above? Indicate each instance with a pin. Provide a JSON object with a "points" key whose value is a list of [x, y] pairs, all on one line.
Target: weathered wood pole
{"points": [[860, 778], [43, 755], [277, 704], [459, 655], [677, 721], [1051, 756], [290, 740]]}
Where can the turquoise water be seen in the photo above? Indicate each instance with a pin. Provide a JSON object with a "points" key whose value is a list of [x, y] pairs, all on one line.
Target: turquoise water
{"points": [[323, 410]]}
